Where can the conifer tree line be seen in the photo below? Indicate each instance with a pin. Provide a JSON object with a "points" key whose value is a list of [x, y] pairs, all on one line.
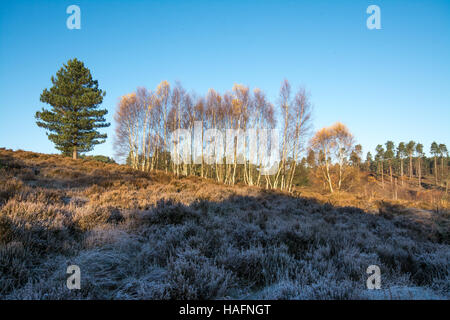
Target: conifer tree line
{"points": [[145, 120], [407, 160], [334, 160]]}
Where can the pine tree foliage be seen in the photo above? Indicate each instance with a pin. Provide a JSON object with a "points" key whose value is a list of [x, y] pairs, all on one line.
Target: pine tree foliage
{"points": [[74, 115]]}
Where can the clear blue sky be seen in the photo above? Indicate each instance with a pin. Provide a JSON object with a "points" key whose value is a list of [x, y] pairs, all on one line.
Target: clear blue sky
{"points": [[388, 84]]}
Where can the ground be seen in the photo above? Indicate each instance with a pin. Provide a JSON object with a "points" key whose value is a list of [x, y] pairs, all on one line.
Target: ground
{"points": [[153, 236]]}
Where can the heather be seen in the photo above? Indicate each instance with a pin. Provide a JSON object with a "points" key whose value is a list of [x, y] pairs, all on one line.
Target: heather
{"points": [[139, 235]]}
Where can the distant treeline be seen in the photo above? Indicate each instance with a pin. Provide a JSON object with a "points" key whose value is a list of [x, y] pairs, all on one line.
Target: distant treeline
{"points": [[409, 159]]}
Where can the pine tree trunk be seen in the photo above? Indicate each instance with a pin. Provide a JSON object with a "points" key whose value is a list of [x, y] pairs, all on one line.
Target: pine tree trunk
{"points": [[435, 171], [390, 170], [410, 167], [75, 153], [395, 189], [401, 169], [420, 174]]}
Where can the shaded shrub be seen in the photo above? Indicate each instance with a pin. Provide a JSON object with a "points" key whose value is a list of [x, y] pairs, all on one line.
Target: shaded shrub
{"points": [[192, 276], [256, 267], [14, 266], [170, 212], [296, 243], [9, 188], [6, 232]]}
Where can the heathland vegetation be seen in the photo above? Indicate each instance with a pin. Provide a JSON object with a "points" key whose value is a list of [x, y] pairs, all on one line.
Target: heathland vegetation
{"points": [[216, 225], [152, 235]]}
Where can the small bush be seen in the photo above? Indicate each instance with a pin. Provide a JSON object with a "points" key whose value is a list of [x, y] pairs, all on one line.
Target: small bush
{"points": [[192, 276], [169, 212]]}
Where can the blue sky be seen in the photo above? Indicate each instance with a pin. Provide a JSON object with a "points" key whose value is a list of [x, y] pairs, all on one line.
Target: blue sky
{"points": [[388, 84]]}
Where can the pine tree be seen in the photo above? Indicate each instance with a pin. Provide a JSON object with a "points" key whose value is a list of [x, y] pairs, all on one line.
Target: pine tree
{"points": [[74, 116], [420, 155], [369, 161], [389, 155], [410, 150], [401, 153], [355, 156], [442, 152], [311, 158], [379, 157], [434, 150]]}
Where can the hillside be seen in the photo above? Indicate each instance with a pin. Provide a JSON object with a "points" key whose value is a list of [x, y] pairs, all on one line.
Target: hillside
{"points": [[139, 235]]}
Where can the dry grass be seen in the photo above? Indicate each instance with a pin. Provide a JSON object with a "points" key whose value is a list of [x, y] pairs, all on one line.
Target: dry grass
{"points": [[152, 236]]}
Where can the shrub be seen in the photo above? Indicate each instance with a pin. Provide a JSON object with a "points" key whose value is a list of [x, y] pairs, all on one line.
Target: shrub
{"points": [[170, 212], [192, 276]]}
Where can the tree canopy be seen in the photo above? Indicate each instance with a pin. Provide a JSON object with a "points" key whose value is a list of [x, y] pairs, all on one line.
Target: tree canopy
{"points": [[74, 115]]}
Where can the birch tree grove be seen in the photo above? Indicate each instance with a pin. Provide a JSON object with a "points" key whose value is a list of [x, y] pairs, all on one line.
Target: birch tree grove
{"points": [[231, 133]]}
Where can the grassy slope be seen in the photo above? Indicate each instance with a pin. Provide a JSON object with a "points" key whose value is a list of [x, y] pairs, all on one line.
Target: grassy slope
{"points": [[151, 236]]}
